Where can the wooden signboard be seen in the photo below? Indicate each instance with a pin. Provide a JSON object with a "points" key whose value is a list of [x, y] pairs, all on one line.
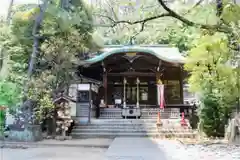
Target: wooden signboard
{"points": [[131, 54]]}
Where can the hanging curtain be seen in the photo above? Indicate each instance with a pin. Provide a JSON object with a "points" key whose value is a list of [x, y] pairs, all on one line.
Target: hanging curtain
{"points": [[160, 93]]}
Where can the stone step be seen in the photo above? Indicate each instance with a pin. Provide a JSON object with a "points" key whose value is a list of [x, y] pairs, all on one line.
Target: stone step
{"points": [[143, 117], [122, 119], [130, 134], [143, 114], [129, 124], [110, 128], [169, 126], [133, 120], [114, 127], [118, 130], [122, 126], [118, 124]]}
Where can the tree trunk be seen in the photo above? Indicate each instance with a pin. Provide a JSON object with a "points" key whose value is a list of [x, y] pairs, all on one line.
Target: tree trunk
{"points": [[35, 32], [54, 126], [219, 7], [9, 11], [3, 58]]}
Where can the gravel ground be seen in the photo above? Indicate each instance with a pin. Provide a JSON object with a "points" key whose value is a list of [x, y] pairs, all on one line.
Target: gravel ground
{"points": [[53, 153], [179, 151], [147, 149], [212, 152]]}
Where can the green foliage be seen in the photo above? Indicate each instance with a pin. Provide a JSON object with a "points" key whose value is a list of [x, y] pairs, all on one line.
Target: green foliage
{"points": [[9, 93], [212, 116], [9, 97], [46, 107], [2, 121], [213, 73], [231, 13], [213, 77], [207, 62], [65, 32], [16, 46]]}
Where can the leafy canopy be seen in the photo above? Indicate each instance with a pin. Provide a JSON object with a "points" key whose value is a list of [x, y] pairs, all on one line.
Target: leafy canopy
{"points": [[65, 33]]}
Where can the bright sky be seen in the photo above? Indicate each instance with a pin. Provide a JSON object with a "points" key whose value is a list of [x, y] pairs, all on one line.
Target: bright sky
{"points": [[4, 4]]}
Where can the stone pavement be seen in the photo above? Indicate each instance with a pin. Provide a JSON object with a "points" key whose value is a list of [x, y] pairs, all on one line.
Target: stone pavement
{"points": [[135, 149], [93, 142]]}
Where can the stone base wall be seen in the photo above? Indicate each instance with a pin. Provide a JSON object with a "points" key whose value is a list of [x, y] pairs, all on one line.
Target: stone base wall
{"points": [[30, 133], [232, 132]]}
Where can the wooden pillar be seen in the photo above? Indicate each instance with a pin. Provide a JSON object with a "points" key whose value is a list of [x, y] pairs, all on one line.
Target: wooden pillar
{"points": [[90, 103], [137, 92], [124, 92], [157, 75], [181, 78], [105, 88], [105, 83]]}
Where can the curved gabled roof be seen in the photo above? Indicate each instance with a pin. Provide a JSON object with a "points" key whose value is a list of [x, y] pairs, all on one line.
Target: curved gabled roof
{"points": [[165, 53]]}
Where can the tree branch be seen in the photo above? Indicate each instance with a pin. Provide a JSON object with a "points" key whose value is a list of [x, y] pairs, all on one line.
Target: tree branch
{"points": [[188, 22], [173, 14], [115, 23], [193, 7], [142, 28]]}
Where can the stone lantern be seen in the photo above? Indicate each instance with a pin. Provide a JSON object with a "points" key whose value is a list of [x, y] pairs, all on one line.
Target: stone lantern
{"points": [[64, 121]]}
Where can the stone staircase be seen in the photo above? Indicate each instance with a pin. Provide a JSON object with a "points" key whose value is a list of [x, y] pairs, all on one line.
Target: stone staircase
{"points": [[111, 128]]}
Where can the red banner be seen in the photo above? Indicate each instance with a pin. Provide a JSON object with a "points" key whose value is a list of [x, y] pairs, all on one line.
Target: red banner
{"points": [[160, 95]]}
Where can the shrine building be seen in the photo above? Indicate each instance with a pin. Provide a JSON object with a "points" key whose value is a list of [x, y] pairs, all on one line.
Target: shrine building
{"points": [[125, 81]]}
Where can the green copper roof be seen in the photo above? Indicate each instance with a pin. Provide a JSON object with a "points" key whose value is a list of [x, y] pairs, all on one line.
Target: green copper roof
{"points": [[165, 53]]}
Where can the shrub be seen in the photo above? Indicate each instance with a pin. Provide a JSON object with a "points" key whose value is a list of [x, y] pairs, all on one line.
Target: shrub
{"points": [[213, 116]]}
